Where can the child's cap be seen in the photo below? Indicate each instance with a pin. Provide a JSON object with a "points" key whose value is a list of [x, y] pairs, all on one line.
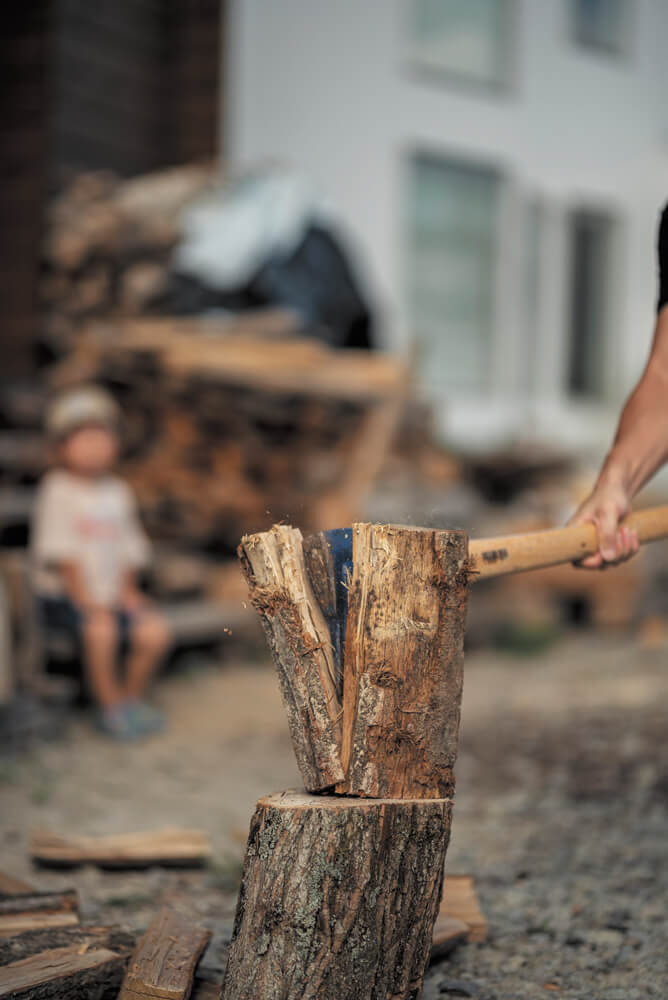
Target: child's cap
{"points": [[75, 408]]}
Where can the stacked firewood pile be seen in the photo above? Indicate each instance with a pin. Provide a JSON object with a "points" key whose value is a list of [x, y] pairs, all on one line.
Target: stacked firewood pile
{"points": [[227, 431], [107, 246]]}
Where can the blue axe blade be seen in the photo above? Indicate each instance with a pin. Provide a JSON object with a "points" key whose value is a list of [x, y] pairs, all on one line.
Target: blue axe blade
{"points": [[340, 541]]}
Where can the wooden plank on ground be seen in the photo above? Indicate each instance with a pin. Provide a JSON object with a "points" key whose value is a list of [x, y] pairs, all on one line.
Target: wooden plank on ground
{"points": [[164, 961], [74, 972], [448, 932], [12, 886], [174, 847], [460, 901], [36, 910]]}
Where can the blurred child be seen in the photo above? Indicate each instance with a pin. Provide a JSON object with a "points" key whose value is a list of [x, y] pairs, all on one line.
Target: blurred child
{"points": [[87, 546]]}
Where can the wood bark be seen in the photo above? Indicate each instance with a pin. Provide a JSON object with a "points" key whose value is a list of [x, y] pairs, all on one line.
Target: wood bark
{"points": [[20, 946], [32, 911], [338, 898], [300, 642], [403, 661], [121, 850], [164, 961], [64, 972]]}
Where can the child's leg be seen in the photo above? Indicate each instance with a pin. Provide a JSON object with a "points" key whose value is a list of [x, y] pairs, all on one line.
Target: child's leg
{"points": [[100, 641], [149, 639]]}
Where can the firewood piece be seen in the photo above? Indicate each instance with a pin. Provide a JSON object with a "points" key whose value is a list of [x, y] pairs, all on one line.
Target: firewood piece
{"points": [[338, 898], [460, 900], [20, 946], [164, 961], [205, 991], [74, 972], [12, 886], [403, 661], [280, 590], [121, 850], [448, 932], [34, 910]]}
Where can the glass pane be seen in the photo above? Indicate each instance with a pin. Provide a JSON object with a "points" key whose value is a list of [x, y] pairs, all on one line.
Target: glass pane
{"points": [[600, 24], [466, 37], [591, 237], [453, 216]]}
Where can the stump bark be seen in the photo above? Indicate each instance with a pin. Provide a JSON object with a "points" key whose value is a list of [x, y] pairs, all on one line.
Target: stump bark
{"points": [[338, 899], [403, 663]]}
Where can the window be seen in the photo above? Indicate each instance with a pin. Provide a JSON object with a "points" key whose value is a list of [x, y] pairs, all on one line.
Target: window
{"points": [[600, 24], [470, 39], [454, 212], [591, 240]]}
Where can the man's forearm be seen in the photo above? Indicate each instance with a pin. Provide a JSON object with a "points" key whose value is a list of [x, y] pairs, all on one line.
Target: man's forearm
{"points": [[641, 441]]}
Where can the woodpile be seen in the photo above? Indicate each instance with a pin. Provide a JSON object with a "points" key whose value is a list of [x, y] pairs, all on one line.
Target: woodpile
{"points": [[45, 953], [107, 246], [228, 430]]}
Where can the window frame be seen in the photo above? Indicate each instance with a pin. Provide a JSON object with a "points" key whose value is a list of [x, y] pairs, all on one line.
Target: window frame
{"points": [[423, 68], [618, 52], [497, 380]]}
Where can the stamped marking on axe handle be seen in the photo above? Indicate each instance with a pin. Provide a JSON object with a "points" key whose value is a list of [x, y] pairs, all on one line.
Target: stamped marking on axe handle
{"points": [[494, 555]]}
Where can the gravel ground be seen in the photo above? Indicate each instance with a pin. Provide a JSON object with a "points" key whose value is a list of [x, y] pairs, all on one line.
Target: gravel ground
{"points": [[561, 813]]}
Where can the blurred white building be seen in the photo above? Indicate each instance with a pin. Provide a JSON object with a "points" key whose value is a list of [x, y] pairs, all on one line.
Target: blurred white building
{"points": [[499, 165]]}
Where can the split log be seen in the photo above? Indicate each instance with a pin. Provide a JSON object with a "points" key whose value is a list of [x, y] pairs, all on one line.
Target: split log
{"points": [[122, 850], [64, 972], [338, 898], [403, 661], [32, 911], [86, 938], [460, 901], [300, 642], [164, 961], [12, 886]]}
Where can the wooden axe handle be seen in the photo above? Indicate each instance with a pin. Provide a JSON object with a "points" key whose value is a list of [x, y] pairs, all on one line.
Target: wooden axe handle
{"points": [[515, 553]]}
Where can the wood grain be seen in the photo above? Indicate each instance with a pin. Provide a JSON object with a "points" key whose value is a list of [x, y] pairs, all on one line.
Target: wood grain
{"points": [[32, 911], [164, 961], [299, 637], [123, 850], [403, 661]]}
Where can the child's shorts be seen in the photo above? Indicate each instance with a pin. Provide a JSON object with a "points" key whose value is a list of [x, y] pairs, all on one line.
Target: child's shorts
{"points": [[60, 614]]}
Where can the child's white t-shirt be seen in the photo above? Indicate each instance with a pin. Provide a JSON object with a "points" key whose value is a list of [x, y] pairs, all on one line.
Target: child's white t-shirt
{"points": [[92, 523]]}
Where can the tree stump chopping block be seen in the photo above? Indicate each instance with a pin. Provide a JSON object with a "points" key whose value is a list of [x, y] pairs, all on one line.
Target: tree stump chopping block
{"points": [[338, 899]]}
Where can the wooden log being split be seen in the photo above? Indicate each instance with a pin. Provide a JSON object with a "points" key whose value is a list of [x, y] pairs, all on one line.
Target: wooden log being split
{"points": [[122, 850], [300, 641], [75, 972], [338, 898], [36, 910], [164, 962], [403, 661]]}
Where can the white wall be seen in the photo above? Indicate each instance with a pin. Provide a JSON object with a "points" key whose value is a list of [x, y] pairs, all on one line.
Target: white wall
{"points": [[326, 85]]}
